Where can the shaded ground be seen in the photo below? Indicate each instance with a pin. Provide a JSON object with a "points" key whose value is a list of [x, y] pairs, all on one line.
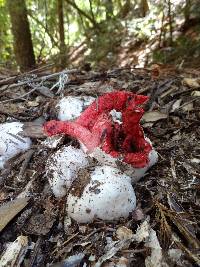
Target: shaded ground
{"points": [[168, 196]]}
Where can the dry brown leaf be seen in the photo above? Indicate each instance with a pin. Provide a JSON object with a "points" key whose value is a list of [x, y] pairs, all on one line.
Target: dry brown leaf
{"points": [[124, 233], [32, 104], [191, 82], [188, 107], [9, 210], [155, 71], [153, 116], [190, 253], [43, 90]]}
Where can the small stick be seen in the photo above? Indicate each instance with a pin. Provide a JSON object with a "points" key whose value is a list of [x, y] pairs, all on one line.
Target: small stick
{"points": [[27, 156]]}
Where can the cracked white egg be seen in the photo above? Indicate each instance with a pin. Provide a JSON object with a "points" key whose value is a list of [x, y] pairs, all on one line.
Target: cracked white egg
{"points": [[62, 168], [104, 193], [135, 173], [11, 142], [70, 107]]}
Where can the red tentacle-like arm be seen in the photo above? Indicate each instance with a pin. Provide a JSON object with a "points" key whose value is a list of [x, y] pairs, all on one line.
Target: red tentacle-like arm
{"points": [[91, 139], [95, 128], [127, 140], [119, 101]]}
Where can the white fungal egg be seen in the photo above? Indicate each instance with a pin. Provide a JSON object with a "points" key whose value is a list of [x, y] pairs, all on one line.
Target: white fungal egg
{"points": [[138, 173], [134, 173], [62, 167], [106, 194], [70, 107], [11, 142]]}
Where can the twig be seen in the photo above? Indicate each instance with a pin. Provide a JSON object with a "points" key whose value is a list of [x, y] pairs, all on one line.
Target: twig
{"points": [[36, 250], [10, 80], [27, 157], [19, 97], [43, 78], [186, 250], [67, 241], [185, 104]]}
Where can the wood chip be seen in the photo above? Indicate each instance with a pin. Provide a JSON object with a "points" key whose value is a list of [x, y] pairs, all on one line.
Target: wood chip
{"points": [[176, 105], [15, 253], [195, 93], [9, 210], [45, 91]]}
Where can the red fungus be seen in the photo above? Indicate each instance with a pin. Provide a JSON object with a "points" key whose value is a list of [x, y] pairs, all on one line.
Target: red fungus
{"points": [[91, 139], [95, 128], [119, 100]]}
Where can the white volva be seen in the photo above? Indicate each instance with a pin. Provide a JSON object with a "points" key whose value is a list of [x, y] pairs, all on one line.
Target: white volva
{"points": [[62, 168], [11, 142], [106, 159], [108, 196], [134, 173], [70, 107]]}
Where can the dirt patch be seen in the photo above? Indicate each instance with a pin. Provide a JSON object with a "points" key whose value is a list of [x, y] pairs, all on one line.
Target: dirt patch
{"points": [[78, 186]]}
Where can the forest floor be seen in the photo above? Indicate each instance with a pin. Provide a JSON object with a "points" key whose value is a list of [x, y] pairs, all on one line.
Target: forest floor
{"points": [[163, 230]]}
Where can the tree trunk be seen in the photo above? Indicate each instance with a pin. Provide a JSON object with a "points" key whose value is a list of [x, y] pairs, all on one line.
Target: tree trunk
{"points": [[23, 46], [144, 6], [125, 9], [63, 50]]}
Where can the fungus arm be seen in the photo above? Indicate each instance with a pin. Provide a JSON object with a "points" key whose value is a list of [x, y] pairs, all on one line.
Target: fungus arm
{"points": [[119, 101], [91, 139]]}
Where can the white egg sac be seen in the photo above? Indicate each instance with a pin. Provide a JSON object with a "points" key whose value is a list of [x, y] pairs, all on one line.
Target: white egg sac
{"points": [[62, 168], [70, 107], [135, 173], [11, 142], [106, 194]]}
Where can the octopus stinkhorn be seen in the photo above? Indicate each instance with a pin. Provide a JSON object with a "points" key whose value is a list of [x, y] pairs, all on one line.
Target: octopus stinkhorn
{"points": [[98, 132], [109, 131]]}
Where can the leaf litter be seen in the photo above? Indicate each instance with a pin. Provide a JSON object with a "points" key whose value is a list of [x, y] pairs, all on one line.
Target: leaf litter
{"points": [[162, 231]]}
